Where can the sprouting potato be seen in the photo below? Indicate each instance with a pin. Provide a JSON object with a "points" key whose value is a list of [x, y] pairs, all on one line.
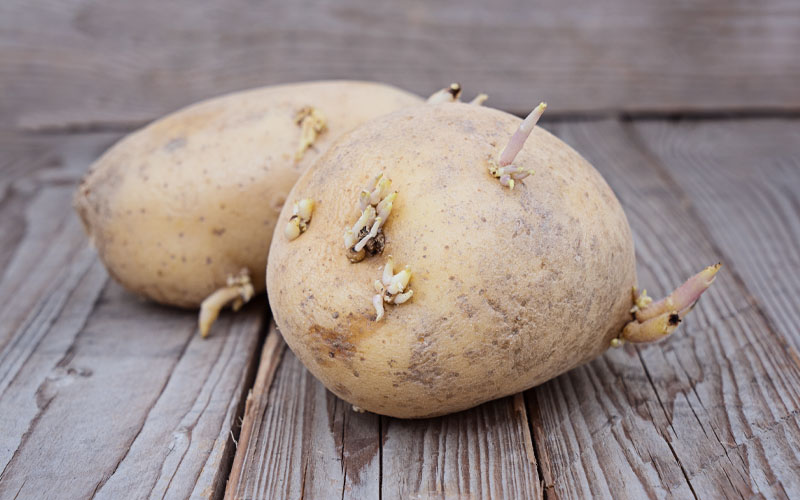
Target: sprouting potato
{"points": [[501, 260], [183, 210]]}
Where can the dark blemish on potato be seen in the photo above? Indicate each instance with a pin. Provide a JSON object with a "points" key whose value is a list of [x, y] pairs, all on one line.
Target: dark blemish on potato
{"points": [[201, 218], [447, 247], [180, 235], [674, 319], [341, 342], [355, 373], [183, 258], [142, 211], [452, 278], [160, 273], [336, 315], [208, 260], [218, 231]]}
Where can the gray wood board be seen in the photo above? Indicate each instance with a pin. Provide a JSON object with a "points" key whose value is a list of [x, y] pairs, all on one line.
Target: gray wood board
{"points": [[102, 393], [76, 64], [307, 443]]}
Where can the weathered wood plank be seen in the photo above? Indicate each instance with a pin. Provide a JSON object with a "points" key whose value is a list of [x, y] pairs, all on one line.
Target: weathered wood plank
{"points": [[742, 178], [721, 400], [478, 453], [102, 393], [307, 443], [122, 63], [271, 355]]}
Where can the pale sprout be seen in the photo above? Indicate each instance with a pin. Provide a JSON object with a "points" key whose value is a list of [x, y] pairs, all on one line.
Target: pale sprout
{"points": [[452, 93], [391, 288], [655, 320], [300, 219], [375, 203], [312, 123], [503, 169], [447, 94], [237, 291], [479, 99]]}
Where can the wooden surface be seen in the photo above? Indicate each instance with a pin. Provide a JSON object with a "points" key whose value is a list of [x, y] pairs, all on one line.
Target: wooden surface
{"points": [[74, 64], [101, 393], [105, 395]]}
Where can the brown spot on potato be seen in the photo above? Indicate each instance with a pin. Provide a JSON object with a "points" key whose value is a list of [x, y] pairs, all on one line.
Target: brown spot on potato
{"points": [[218, 231], [340, 342]]}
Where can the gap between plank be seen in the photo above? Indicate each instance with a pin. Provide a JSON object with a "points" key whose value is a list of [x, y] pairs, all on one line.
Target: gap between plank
{"points": [[271, 356]]}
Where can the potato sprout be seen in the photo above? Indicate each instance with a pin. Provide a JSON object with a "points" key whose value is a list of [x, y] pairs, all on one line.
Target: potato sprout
{"points": [[312, 123], [375, 203], [391, 287], [503, 169], [301, 217], [447, 94], [655, 320], [238, 291]]}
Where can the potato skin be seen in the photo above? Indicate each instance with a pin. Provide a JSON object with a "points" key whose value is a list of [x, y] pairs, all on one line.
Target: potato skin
{"points": [[511, 287], [177, 206]]}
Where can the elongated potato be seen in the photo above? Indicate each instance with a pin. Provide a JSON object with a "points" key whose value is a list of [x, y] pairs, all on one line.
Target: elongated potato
{"points": [[442, 270], [178, 209]]}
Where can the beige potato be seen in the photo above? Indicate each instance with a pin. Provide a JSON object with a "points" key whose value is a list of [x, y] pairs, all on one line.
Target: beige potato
{"points": [[511, 287], [181, 206]]}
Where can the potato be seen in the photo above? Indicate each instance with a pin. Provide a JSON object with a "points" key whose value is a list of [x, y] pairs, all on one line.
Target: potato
{"points": [[512, 279], [179, 208]]}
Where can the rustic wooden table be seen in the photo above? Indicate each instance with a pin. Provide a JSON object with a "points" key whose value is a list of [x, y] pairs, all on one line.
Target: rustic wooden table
{"points": [[690, 111]]}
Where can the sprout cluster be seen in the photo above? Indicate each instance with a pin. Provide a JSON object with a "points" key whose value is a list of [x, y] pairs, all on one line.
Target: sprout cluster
{"points": [[391, 287], [366, 235], [312, 123], [653, 321], [508, 174], [298, 222]]}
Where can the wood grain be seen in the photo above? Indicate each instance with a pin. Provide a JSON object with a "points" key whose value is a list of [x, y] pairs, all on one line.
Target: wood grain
{"points": [[271, 355], [75, 65], [742, 179], [101, 393], [307, 443], [720, 401], [478, 453]]}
